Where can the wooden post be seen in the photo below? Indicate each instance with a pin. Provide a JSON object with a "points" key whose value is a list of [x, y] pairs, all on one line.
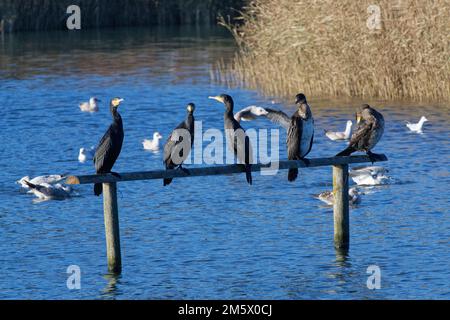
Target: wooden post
{"points": [[111, 216], [340, 193], [340, 208]]}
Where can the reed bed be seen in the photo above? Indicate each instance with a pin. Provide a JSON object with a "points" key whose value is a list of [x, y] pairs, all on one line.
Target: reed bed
{"points": [[331, 48]]}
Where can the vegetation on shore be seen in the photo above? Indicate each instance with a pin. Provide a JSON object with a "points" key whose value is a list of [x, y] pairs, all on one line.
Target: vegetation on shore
{"points": [[338, 48], [20, 15]]}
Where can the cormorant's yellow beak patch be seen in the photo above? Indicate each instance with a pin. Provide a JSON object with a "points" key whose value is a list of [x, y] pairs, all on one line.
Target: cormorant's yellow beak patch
{"points": [[358, 118], [217, 98], [190, 107], [116, 101]]}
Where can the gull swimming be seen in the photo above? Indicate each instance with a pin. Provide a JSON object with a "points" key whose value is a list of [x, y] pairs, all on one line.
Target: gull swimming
{"points": [[86, 154], [90, 106], [250, 113], [336, 135], [417, 127], [47, 191], [369, 176], [353, 197], [48, 179], [152, 144]]}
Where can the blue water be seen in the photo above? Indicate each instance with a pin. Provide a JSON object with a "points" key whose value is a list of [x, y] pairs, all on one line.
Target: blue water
{"points": [[205, 237]]}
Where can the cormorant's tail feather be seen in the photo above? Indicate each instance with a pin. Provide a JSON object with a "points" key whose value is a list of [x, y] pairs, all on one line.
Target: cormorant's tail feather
{"points": [[98, 189], [346, 152], [248, 173], [167, 181], [292, 174]]}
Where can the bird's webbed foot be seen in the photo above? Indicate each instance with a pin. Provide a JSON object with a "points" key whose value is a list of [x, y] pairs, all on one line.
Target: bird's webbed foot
{"points": [[306, 161], [186, 171], [373, 156], [115, 174]]}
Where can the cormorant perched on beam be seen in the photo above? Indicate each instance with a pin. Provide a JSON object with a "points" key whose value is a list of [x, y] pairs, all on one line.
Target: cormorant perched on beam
{"points": [[237, 140], [300, 131], [369, 132], [175, 150], [110, 145]]}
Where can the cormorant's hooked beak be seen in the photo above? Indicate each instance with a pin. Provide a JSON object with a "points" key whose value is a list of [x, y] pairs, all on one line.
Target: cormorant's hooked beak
{"points": [[358, 117], [116, 101], [217, 98]]}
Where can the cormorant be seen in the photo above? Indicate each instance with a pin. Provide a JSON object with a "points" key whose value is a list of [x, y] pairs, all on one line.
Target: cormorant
{"points": [[369, 132], [237, 140], [300, 131], [175, 143], [110, 145], [339, 135]]}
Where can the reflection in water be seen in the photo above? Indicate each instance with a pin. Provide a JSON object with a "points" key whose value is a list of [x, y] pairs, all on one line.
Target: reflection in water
{"points": [[342, 257], [111, 290], [111, 52], [342, 270]]}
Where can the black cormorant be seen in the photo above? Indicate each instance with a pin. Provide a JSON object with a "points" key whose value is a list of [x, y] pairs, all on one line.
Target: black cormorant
{"points": [[300, 131], [109, 147], [237, 140], [175, 151], [369, 132]]}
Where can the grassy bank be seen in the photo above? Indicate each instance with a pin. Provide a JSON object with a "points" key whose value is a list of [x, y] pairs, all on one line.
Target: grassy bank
{"points": [[20, 15], [331, 48]]}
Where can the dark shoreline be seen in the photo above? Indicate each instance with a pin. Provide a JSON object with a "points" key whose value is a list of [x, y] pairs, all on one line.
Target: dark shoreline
{"points": [[42, 15]]}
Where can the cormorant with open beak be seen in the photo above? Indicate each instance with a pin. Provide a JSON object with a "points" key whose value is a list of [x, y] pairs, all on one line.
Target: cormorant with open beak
{"points": [[110, 145], [369, 132], [300, 131], [237, 140], [179, 143]]}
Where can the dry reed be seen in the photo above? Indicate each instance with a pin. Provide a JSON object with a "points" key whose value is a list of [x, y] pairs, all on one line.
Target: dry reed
{"points": [[326, 48]]}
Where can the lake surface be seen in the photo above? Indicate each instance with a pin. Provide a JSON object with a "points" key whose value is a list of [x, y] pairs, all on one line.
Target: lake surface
{"points": [[207, 237]]}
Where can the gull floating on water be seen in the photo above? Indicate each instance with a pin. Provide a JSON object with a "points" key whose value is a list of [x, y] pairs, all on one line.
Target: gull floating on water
{"points": [[417, 127], [48, 179], [336, 135], [370, 175], [152, 144], [47, 191], [353, 197], [86, 154], [90, 106], [250, 113]]}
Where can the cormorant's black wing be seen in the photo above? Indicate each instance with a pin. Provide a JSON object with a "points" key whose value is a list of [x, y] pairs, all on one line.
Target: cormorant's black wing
{"points": [[294, 136], [278, 117], [103, 151], [170, 144], [361, 135]]}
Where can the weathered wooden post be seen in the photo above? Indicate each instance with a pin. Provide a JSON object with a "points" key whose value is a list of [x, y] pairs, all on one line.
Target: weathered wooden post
{"points": [[110, 208], [111, 216], [340, 208]]}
